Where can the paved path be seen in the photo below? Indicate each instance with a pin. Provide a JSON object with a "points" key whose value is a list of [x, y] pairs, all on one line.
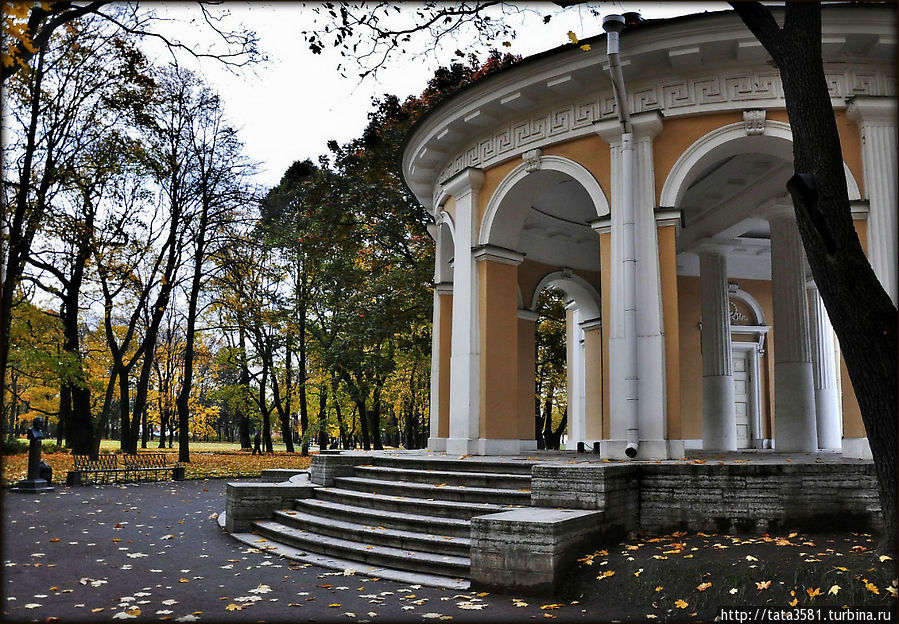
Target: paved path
{"points": [[155, 551]]}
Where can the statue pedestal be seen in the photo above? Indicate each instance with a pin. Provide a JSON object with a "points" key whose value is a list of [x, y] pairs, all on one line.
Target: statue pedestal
{"points": [[31, 486]]}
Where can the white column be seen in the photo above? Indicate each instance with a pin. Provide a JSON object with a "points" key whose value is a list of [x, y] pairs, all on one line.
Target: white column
{"points": [[465, 359], [719, 420], [575, 370], [794, 395], [827, 397], [649, 393], [876, 119]]}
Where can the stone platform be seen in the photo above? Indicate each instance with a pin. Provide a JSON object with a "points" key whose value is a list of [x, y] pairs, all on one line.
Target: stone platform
{"points": [[515, 523]]}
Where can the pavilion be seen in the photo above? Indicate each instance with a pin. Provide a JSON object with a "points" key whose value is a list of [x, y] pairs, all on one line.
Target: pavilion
{"points": [[693, 321]]}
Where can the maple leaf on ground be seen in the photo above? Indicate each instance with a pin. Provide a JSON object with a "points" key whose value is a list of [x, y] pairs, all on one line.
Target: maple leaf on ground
{"points": [[834, 589], [813, 592], [681, 604], [793, 602], [703, 586], [763, 585], [871, 587]]}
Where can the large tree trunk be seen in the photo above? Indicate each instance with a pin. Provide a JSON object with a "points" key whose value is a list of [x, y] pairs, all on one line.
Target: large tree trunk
{"points": [[244, 425], [845, 279], [322, 417]]}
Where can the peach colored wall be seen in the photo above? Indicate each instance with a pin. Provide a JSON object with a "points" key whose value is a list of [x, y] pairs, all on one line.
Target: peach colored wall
{"points": [[527, 378], [605, 260], [853, 427], [590, 152], [593, 373], [449, 206], [668, 277], [446, 342], [680, 133], [498, 312], [492, 177]]}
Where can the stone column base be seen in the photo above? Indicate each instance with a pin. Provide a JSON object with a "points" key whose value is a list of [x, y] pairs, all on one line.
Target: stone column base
{"points": [[490, 446], [438, 445], [857, 448], [461, 446], [648, 449]]}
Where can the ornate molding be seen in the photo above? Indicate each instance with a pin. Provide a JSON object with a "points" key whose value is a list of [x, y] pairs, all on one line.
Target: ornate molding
{"points": [[722, 91], [532, 160], [754, 121]]}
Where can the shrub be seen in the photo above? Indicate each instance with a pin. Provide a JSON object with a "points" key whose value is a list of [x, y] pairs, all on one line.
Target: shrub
{"points": [[14, 447]]}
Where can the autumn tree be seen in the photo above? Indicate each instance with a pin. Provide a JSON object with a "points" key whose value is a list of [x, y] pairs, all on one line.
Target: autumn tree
{"points": [[551, 397]]}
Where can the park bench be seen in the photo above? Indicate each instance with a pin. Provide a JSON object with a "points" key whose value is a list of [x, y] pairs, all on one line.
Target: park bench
{"points": [[119, 468]]}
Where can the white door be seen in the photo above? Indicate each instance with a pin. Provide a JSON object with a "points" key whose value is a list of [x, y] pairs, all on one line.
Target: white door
{"points": [[742, 388]]}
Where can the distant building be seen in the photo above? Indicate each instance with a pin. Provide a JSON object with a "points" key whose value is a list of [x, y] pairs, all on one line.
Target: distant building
{"points": [[719, 340]]}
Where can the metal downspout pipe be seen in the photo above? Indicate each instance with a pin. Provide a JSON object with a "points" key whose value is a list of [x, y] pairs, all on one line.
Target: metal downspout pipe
{"points": [[613, 25]]}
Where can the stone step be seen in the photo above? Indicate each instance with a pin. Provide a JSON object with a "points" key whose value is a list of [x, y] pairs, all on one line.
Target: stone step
{"points": [[439, 491], [408, 505], [369, 554], [376, 534], [454, 527], [510, 465], [345, 565], [435, 475]]}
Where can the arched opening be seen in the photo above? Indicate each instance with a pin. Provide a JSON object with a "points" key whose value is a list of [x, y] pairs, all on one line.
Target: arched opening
{"points": [[740, 261], [568, 397]]}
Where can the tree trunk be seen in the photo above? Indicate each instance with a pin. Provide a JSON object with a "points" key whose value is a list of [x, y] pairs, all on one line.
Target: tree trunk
{"points": [[322, 417], [374, 426], [301, 366], [244, 425], [363, 420], [867, 333]]}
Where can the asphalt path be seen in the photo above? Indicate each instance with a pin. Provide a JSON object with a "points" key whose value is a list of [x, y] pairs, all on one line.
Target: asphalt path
{"points": [[155, 551]]}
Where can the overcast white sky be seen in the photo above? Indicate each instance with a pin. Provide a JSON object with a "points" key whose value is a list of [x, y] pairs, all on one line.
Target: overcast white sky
{"points": [[289, 108]]}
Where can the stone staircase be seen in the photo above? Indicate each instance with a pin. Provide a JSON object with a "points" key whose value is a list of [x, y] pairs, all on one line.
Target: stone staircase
{"points": [[400, 517]]}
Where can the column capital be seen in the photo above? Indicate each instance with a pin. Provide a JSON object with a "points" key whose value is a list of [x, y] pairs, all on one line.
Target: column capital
{"points": [[644, 125], [497, 254], [443, 288], [859, 209], [468, 180], [777, 208], [669, 216], [712, 247], [527, 315], [602, 225], [591, 324], [863, 109]]}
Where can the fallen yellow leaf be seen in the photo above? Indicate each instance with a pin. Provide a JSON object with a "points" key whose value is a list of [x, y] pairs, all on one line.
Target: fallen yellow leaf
{"points": [[680, 604], [763, 585], [871, 587], [183, 580], [834, 590], [703, 586], [793, 602], [552, 606], [233, 607], [813, 592]]}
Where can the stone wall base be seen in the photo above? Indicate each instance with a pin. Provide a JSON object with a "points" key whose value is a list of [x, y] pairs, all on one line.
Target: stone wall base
{"points": [[528, 550], [246, 502]]}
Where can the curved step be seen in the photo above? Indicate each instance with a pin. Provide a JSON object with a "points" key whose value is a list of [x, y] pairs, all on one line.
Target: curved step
{"points": [[344, 565], [455, 527], [377, 534], [396, 558], [439, 491], [496, 480], [409, 505], [469, 464]]}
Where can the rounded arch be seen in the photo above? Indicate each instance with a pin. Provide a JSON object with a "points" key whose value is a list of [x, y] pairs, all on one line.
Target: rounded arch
{"points": [[750, 301], [518, 174], [576, 287], [727, 141]]}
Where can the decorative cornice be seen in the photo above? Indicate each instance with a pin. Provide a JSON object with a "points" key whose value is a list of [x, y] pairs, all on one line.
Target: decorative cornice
{"points": [[727, 90], [872, 110], [443, 288], [591, 324], [465, 181], [497, 254]]}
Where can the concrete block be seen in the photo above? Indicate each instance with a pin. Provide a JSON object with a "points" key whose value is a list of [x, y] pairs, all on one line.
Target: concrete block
{"points": [[325, 468], [528, 550], [279, 475], [247, 502]]}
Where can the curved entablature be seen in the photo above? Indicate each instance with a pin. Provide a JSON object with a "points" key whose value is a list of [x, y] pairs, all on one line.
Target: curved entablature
{"points": [[717, 65]]}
